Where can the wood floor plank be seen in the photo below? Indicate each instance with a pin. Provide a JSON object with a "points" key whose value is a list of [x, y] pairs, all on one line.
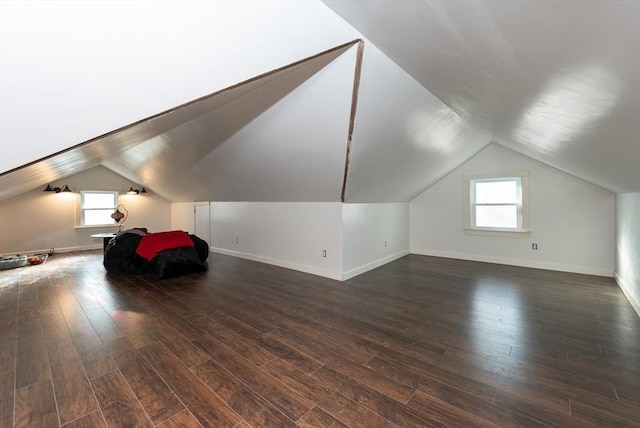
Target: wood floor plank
{"points": [[613, 365], [36, 406], [529, 414], [249, 350], [290, 354], [156, 398], [184, 419], [600, 417], [178, 344], [429, 377], [7, 380], [318, 418], [545, 378], [164, 295], [446, 413], [74, 396], [336, 404], [8, 354], [253, 408], [117, 402], [32, 364], [88, 344], [281, 312], [285, 399], [208, 408], [180, 324], [98, 365], [8, 327], [101, 322], [266, 342], [127, 316], [345, 348], [92, 420], [386, 385], [28, 309], [628, 393], [379, 403]]}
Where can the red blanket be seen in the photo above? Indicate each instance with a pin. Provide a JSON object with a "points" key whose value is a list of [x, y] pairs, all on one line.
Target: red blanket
{"points": [[155, 242]]}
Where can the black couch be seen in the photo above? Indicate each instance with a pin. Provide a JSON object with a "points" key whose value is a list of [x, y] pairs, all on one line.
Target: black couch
{"points": [[121, 256]]}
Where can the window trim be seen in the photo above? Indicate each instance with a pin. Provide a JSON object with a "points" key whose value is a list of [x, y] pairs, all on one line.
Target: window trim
{"points": [[523, 207], [82, 224]]}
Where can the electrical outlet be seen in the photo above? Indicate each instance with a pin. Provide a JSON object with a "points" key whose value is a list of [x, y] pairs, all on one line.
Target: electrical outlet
{"points": [[237, 240], [324, 253], [385, 243], [534, 246]]}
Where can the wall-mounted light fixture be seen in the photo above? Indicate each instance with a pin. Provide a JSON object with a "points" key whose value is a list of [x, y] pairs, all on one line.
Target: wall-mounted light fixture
{"points": [[64, 188], [133, 191]]}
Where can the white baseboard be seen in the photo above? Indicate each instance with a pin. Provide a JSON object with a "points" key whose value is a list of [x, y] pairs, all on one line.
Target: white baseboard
{"points": [[626, 290], [372, 265], [339, 276], [282, 263], [58, 250], [588, 270]]}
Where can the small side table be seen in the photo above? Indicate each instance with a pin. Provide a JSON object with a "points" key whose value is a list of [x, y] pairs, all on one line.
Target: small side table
{"points": [[106, 237]]}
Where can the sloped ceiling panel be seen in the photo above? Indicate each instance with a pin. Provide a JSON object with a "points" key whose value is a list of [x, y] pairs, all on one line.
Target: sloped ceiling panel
{"points": [[74, 70], [558, 81], [405, 139], [92, 153], [282, 140], [173, 141]]}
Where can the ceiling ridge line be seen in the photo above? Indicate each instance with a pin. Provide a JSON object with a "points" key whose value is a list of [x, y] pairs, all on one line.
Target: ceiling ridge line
{"points": [[352, 117]]}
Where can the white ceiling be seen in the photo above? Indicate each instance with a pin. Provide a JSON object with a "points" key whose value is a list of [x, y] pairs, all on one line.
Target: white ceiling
{"points": [[440, 80], [556, 80]]}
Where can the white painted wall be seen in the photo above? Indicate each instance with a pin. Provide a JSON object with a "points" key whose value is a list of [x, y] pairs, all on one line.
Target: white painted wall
{"points": [[627, 270], [571, 221], [182, 216], [37, 221], [294, 234], [192, 217], [374, 234], [70, 66], [287, 234], [202, 222]]}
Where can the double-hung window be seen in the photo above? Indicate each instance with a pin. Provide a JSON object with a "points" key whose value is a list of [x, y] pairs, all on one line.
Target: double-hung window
{"points": [[497, 204], [97, 207]]}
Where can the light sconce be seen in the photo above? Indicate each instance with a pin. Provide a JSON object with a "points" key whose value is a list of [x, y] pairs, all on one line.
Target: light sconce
{"points": [[64, 188], [133, 191]]}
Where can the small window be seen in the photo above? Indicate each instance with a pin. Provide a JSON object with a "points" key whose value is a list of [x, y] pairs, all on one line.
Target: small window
{"points": [[497, 204], [97, 207]]}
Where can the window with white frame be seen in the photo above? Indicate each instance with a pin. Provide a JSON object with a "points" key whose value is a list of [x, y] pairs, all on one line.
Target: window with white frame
{"points": [[497, 204], [97, 207]]}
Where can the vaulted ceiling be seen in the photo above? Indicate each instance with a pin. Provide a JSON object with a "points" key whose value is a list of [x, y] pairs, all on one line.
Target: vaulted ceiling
{"points": [[556, 80], [273, 101]]}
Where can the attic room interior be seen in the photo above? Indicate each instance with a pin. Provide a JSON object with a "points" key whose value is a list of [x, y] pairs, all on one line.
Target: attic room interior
{"points": [[417, 213]]}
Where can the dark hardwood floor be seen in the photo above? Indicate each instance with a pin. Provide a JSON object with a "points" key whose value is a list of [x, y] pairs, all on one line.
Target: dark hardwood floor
{"points": [[421, 341]]}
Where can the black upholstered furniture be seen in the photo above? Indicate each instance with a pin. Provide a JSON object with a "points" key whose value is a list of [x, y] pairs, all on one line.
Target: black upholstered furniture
{"points": [[123, 256]]}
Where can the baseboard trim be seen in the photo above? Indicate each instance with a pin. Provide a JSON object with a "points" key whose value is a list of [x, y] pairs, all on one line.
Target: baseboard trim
{"points": [[372, 265], [626, 290], [58, 250], [281, 263], [588, 270]]}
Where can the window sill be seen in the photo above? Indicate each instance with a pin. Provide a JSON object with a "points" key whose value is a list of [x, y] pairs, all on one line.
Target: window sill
{"points": [[501, 233]]}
